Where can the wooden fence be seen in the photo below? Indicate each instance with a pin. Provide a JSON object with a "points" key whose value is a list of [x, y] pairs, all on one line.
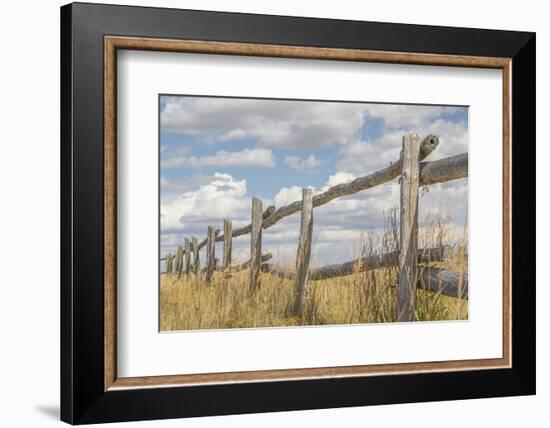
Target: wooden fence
{"points": [[414, 173]]}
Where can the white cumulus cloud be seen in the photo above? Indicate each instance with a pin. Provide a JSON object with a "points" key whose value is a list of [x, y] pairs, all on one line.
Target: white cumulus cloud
{"points": [[409, 117], [283, 123], [223, 197], [247, 157], [309, 165], [338, 225], [287, 195], [364, 157], [338, 178]]}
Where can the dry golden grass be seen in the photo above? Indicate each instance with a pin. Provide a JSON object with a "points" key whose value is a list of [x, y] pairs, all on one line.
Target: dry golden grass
{"points": [[368, 297], [363, 297]]}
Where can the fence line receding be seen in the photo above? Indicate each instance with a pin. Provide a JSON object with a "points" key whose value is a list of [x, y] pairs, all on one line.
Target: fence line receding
{"points": [[414, 172]]}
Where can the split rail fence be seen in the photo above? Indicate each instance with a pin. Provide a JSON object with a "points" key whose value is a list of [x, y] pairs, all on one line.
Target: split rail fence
{"points": [[413, 172]]}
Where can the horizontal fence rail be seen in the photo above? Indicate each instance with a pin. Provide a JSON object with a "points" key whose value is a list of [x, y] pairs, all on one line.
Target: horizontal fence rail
{"points": [[433, 172], [362, 264], [432, 279], [446, 282], [410, 164]]}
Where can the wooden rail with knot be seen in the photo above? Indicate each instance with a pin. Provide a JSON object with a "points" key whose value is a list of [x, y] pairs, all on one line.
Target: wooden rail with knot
{"points": [[414, 173]]}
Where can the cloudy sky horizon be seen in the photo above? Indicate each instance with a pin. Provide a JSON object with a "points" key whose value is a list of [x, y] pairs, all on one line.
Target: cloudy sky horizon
{"points": [[216, 153]]}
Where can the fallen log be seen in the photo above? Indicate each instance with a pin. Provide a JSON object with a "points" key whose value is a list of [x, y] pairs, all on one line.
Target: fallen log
{"points": [[362, 264], [430, 279], [443, 281]]}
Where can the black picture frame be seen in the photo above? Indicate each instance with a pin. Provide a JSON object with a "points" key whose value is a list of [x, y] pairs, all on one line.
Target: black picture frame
{"points": [[83, 398]]}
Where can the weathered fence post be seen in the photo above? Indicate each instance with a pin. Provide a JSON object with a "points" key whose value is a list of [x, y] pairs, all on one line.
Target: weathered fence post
{"points": [[304, 253], [210, 255], [169, 258], [187, 256], [227, 243], [196, 257], [179, 261], [255, 243], [410, 177]]}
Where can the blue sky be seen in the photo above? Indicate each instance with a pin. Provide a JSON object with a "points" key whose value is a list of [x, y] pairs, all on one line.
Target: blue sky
{"points": [[216, 153]]}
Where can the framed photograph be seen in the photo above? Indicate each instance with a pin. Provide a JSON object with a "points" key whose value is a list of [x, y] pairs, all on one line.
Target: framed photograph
{"points": [[265, 213]]}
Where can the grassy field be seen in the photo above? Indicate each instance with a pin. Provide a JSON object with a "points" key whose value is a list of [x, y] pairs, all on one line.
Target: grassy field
{"points": [[363, 297], [367, 297]]}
